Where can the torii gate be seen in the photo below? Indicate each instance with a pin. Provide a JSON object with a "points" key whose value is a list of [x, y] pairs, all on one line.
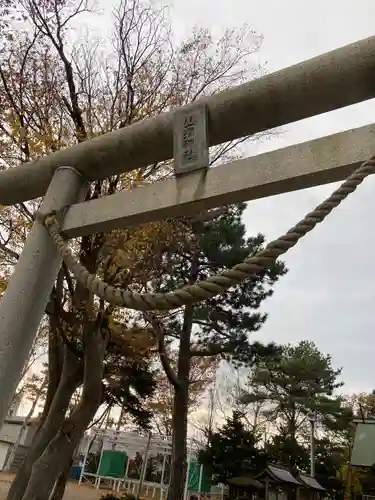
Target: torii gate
{"points": [[339, 78]]}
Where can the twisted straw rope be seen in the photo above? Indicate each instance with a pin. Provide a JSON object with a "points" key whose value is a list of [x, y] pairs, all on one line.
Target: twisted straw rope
{"points": [[216, 284]]}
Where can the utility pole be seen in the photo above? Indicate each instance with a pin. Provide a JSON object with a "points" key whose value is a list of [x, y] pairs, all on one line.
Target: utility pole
{"points": [[312, 419]]}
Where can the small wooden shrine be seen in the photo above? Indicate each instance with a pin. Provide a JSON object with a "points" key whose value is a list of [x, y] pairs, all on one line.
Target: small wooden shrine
{"points": [[279, 483], [310, 489], [274, 483]]}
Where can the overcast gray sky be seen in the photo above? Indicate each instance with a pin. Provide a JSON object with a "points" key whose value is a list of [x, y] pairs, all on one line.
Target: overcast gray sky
{"points": [[328, 295]]}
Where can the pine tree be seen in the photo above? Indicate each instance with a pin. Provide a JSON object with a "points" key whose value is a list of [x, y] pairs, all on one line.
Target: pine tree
{"points": [[300, 381], [216, 327], [231, 450], [58, 89]]}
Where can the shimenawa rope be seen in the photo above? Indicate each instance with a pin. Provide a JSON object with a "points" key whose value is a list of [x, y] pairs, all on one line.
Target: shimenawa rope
{"points": [[216, 284]]}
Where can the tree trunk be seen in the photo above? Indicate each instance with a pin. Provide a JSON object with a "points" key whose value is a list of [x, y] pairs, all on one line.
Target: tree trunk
{"points": [[71, 379], [57, 454], [180, 412], [60, 485], [179, 464], [56, 356], [292, 424]]}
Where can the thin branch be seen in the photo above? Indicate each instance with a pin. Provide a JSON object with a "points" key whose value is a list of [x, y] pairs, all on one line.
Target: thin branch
{"points": [[99, 420], [214, 350], [164, 359], [68, 279], [9, 251]]}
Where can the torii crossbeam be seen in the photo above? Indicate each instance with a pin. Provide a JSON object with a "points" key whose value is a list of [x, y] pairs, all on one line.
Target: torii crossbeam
{"points": [[339, 78]]}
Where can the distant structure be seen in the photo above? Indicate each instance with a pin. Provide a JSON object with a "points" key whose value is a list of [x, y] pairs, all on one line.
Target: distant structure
{"points": [[9, 436], [15, 405]]}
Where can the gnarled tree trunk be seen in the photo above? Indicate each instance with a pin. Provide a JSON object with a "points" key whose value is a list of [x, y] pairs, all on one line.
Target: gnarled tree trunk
{"points": [[56, 361], [57, 454], [71, 378], [59, 488]]}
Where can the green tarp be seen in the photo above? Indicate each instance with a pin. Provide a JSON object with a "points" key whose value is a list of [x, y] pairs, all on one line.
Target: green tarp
{"points": [[112, 464], [194, 475]]}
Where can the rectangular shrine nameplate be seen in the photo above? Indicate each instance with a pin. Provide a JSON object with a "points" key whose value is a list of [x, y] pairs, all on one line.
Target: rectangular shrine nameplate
{"points": [[190, 139]]}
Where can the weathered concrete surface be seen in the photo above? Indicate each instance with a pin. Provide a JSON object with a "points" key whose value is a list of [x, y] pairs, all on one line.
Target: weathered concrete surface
{"points": [[24, 301], [304, 165], [339, 78]]}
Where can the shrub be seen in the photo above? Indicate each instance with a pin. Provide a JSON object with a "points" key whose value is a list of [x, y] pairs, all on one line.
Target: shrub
{"points": [[109, 496]]}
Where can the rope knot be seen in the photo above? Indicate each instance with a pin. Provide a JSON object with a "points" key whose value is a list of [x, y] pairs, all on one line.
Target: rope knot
{"points": [[53, 217]]}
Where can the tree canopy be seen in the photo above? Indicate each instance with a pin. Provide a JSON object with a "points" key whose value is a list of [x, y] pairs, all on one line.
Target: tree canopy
{"points": [[220, 327], [230, 447], [300, 381], [283, 392], [58, 89]]}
